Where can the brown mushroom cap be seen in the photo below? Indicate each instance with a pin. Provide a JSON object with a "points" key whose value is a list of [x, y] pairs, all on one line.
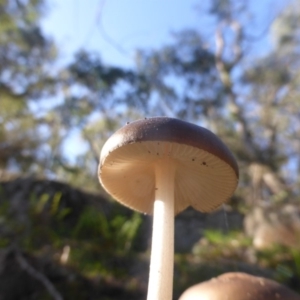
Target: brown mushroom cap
{"points": [[239, 286], [206, 171]]}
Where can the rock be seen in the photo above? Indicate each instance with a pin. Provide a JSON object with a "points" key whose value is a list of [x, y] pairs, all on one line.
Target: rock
{"points": [[274, 225], [190, 225]]}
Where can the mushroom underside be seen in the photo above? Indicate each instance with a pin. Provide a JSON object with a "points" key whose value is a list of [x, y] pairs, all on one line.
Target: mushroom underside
{"points": [[202, 180]]}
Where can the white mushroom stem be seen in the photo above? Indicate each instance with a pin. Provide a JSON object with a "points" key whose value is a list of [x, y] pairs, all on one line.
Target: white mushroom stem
{"points": [[160, 285]]}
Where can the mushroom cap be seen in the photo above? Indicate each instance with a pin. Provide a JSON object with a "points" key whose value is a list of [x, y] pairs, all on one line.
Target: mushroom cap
{"points": [[206, 171], [239, 286]]}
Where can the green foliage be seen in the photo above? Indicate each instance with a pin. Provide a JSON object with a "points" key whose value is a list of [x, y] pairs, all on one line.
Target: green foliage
{"points": [[250, 99], [284, 260], [235, 247], [24, 76], [117, 232], [129, 229], [98, 244], [217, 244], [92, 224], [44, 203]]}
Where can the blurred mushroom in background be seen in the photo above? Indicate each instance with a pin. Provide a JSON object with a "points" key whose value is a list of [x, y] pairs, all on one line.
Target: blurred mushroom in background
{"points": [[239, 286]]}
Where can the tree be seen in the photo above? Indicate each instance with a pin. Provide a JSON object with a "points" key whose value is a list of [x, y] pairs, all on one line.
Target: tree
{"points": [[250, 101], [25, 78], [211, 76]]}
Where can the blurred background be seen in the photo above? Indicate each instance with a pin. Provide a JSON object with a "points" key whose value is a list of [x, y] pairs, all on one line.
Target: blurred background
{"points": [[72, 72]]}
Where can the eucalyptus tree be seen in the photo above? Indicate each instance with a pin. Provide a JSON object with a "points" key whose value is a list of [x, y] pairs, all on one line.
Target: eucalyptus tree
{"points": [[248, 97], [25, 78]]}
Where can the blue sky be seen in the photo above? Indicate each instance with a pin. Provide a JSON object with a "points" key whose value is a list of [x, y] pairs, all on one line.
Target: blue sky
{"points": [[115, 28]]}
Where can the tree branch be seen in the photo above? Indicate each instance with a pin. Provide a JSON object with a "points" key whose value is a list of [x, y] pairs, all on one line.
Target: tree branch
{"points": [[38, 276], [224, 69]]}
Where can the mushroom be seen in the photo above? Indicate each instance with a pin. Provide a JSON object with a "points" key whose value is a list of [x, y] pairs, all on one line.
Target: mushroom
{"points": [[161, 166], [239, 286]]}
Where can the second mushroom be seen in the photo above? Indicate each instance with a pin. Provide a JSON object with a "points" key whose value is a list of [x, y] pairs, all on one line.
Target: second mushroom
{"points": [[161, 166]]}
